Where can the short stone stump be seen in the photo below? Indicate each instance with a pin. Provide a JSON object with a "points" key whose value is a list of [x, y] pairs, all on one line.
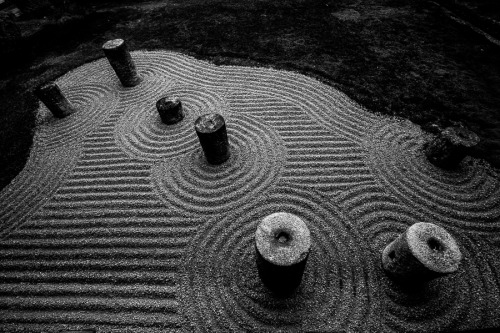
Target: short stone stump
{"points": [[170, 110], [423, 252], [450, 147], [50, 94], [282, 243]]}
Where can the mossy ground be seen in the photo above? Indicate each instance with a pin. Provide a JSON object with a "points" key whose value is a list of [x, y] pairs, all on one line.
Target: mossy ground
{"points": [[404, 58]]}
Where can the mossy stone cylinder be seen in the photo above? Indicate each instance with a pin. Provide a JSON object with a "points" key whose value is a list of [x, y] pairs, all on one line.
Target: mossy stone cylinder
{"points": [[119, 58], [450, 147], [50, 94], [282, 243], [211, 131], [423, 252], [170, 110]]}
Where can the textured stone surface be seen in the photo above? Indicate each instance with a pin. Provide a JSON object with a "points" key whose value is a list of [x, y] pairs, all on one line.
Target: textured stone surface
{"points": [[211, 131], [170, 110], [119, 58], [424, 251], [50, 94]]}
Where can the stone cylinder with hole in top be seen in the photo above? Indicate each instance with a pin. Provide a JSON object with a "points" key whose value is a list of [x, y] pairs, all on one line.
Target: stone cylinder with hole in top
{"points": [[450, 147], [211, 131], [170, 110], [119, 58], [50, 94], [282, 243], [423, 252]]}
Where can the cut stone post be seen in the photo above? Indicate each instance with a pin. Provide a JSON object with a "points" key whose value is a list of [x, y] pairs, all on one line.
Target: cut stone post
{"points": [[170, 110], [53, 98], [211, 131], [282, 243], [450, 147], [423, 252], [119, 58]]}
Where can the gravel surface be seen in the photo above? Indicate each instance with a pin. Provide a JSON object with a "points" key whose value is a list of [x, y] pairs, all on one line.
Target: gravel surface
{"points": [[117, 221]]}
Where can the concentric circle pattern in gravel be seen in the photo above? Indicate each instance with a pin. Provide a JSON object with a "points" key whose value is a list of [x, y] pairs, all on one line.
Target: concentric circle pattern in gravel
{"points": [[468, 197], [141, 133], [118, 223], [467, 299], [222, 291], [93, 104], [191, 184]]}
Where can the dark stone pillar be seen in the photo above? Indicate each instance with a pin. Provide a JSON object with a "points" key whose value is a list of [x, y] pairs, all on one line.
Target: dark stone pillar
{"points": [[211, 130], [450, 147], [52, 97], [282, 243], [118, 56], [170, 110], [423, 252]]}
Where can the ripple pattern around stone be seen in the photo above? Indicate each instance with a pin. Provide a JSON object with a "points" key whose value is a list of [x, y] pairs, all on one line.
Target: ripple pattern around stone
{"points": [[112, 225], [191, 184], [93, 102], [222, 291], [141, 133], [468, 197], [466, 299]]}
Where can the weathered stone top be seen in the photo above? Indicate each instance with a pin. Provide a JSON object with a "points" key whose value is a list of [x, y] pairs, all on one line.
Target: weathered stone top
{"points": [[113, 44], [47, 86], [460, 136], [168, 102], [283, 239], [209, 123], [434, 247]]}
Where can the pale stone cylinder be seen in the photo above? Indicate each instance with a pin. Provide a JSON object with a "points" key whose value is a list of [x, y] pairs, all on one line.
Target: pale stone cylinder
{"points": [[450, 147], [282, 243], [50, 94], [211, 131], [119, 58], [423, 252]]}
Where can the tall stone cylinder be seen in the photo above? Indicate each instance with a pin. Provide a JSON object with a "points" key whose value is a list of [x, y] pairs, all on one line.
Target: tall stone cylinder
{"points": [[50, 94], [119, 58], [211, 131], [170, 110], [282, 243], [423, 252], [450, 147]]}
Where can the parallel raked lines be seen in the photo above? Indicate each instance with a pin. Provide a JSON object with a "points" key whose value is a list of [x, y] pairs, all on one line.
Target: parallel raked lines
{"points": [[330, 108], [315, 157], [103, 251], [35, 185]]}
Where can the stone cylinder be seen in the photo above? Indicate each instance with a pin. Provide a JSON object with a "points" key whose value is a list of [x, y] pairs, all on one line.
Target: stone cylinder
{"points": [[170, 110], [450, 147], [211, 131], [53, 98], [119, 58], [423, 252], [282, 243]]}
